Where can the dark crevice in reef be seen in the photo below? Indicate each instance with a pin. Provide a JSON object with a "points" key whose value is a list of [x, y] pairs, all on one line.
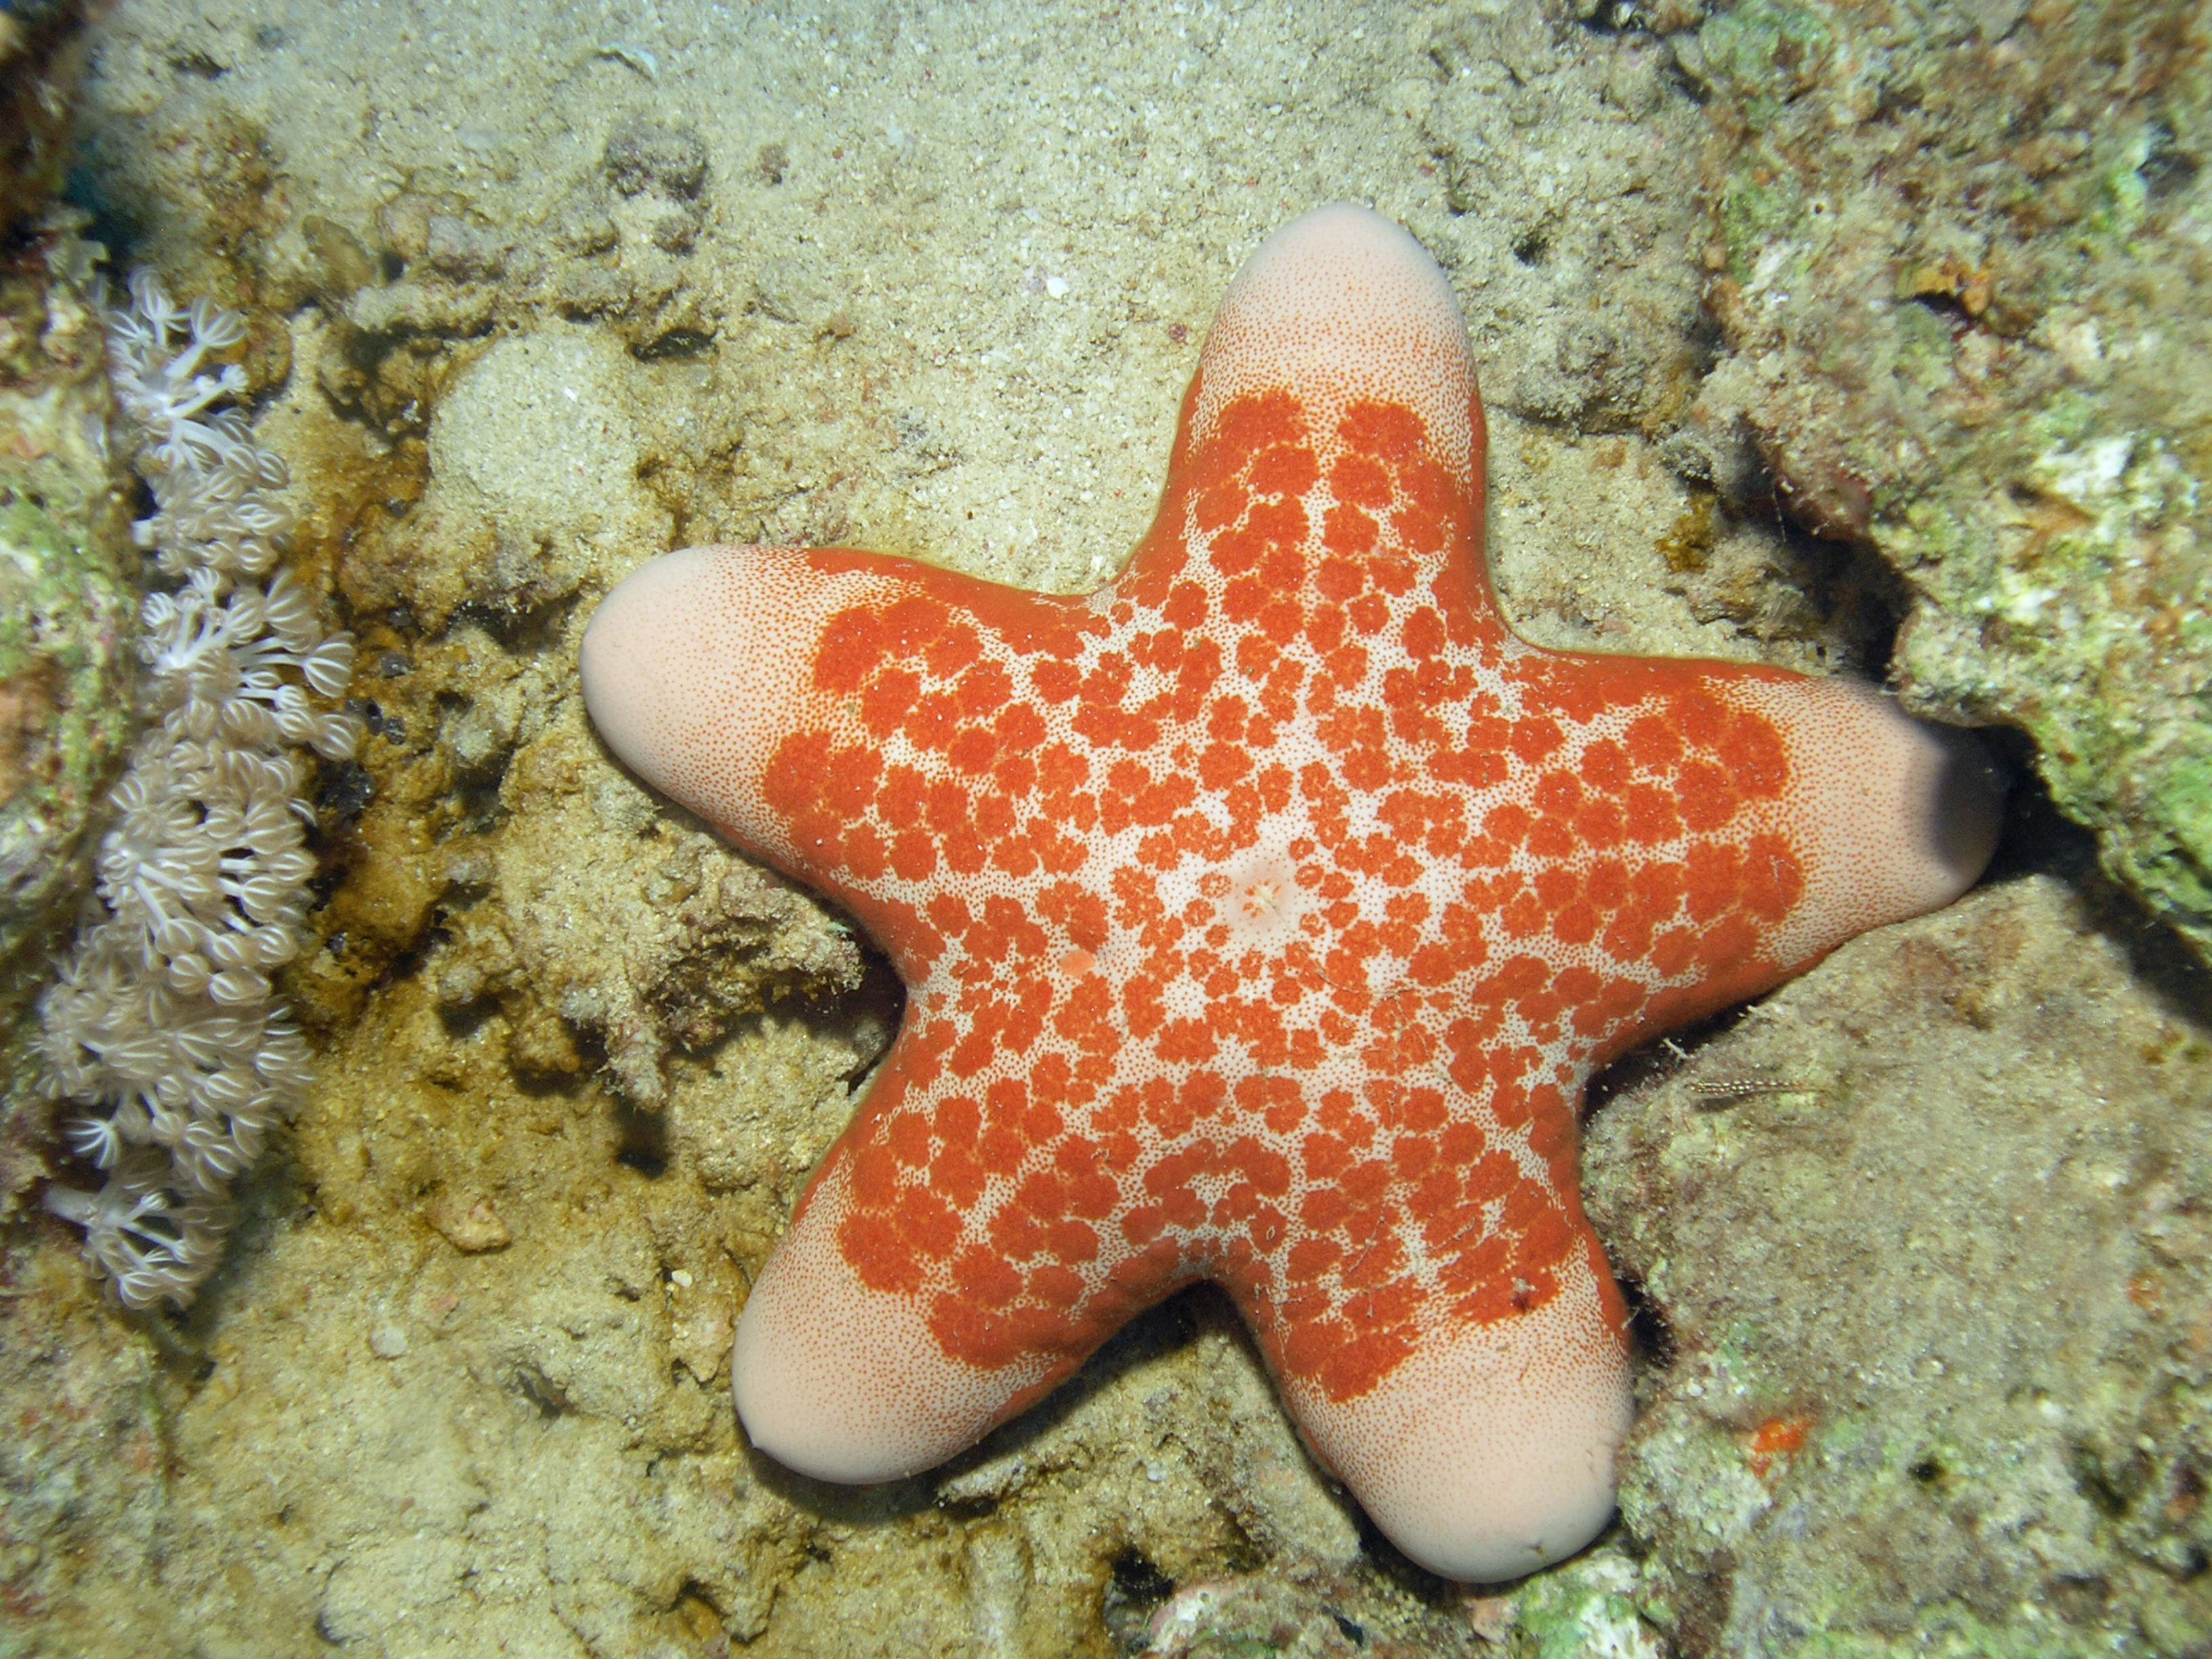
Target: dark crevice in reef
{"points": [[1649, 1327], [521, 628], [642, 1141], [1136, 1590], [551, 1399]]}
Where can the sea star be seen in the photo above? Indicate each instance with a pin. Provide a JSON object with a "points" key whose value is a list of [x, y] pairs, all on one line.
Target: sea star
{"points": [[1262, 917]]}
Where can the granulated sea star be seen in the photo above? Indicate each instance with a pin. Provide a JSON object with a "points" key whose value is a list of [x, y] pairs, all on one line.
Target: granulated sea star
{"points": [[1263, 917]]}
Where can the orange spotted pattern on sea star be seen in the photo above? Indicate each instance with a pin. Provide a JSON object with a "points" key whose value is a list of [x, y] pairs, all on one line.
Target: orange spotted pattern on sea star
{"points": [[1263, 915]]}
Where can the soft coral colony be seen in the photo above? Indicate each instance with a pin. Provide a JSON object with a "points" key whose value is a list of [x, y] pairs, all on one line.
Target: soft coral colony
{"points": [[165, 1039]]}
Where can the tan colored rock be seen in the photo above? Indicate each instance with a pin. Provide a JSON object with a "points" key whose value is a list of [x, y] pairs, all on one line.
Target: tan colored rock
{"points": [[703, 1321], [467, 1221]]}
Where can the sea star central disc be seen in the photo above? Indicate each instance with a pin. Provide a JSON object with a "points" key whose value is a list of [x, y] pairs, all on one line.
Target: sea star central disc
{"points": [[1263, 915]]}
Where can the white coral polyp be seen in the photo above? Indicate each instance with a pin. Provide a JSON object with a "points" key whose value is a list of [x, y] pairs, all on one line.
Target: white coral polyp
{"points": [[163, 1033]]}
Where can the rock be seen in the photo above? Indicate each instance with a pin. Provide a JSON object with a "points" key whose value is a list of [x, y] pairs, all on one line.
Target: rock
{"points": [[43, 45], [467, 1221], [69, 614], [80, 1492], [649, 155], [1963, 271], [1571, 176], [1936, 1283], [65, 627]]}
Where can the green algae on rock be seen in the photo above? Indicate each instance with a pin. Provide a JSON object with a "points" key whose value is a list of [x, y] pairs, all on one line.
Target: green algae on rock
{"points": [[68, 614], [1965, 268], [65, 618], [64, 622], [1977, 1422]]}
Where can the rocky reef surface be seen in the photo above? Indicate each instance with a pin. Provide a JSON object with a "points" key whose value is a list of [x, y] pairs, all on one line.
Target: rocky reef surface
{"points": [[536, 293], [1963, 256], [1932, 1230], [68, 602]]}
